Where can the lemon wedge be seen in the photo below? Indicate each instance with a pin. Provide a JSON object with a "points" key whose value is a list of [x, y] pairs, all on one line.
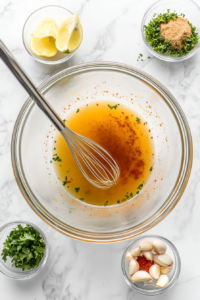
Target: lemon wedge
{"points": [[48, 27], [43, 46], [69, 35]]}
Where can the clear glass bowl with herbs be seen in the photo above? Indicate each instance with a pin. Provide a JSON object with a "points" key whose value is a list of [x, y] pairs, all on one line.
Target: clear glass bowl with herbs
{"points": [[166, 10], [23, 249]]}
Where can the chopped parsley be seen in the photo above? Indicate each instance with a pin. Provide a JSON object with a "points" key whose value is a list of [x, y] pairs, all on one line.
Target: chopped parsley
{"points": [[25, 246], [157, 42], [50, 161], [151, 169], [151, 137], [57, 158], [65, 181], [54, 148], [77, 110], [64, 120], [114, 106], [137, 119], [54, 141], [68, 170], [106, 203], [118, 201], [81, 199], [77, 189]]}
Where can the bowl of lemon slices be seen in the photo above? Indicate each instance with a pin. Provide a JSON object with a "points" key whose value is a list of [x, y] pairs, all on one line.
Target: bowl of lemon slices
{"points": [[52, 34]]}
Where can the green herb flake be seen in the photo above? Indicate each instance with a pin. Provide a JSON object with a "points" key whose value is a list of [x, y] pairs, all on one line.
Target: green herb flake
{"points": [[118, 201], [77, 189], [68, 170], [151, 137], [64, 120], [114, 106], [54, 141], [137, 192], [151, 169], [77, 110], [25, 246], [81, 199], [50, 161], [137, 119], [54, 148], [106, 203], [57, 158], [131, 195]]}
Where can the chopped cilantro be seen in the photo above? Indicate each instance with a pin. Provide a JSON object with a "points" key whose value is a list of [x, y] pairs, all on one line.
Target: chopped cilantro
{"points": [[151, 137], [140, 186], [118, 201], [68, 170], [149, 130], [114, 106], [81, 199], [137, 192], [131, 195], [77, 189], [54, 141], [151, 169], [64, 120], [25, 246], [106, 203], [54, 148], [137, 119], [50, 161], [77, 110]]}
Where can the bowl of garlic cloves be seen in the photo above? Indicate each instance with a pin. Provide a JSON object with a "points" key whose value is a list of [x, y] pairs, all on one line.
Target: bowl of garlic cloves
{"points": [[151, 265]]}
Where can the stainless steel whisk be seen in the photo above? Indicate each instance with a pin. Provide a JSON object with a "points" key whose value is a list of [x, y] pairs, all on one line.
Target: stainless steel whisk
{"points": [[96, 164]]}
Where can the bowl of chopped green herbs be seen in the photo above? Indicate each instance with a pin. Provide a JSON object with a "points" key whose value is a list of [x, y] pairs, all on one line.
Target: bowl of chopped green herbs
{"points": [[171, 29], [23, 248]]}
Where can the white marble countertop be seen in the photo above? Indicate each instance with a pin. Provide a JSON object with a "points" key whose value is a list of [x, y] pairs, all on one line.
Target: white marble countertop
{"points": [[78, 270]]}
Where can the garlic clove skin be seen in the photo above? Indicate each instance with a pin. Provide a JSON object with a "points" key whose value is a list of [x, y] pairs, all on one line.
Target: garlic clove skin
{"points": [[163, 260], [162, 282], [154, 271], [135, 252], [159, 246], [148, 255], [142, 276], [133, 267], [146, 246], [129, 256], [166, 270]]}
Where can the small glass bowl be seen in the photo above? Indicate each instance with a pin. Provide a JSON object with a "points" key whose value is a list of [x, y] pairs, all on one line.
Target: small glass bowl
{"points": [[150, 290], [187, 7], [6, 267], [52, 11]]}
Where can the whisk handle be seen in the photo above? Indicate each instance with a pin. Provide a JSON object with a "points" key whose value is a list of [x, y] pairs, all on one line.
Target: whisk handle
{"points": [[29, 86]]}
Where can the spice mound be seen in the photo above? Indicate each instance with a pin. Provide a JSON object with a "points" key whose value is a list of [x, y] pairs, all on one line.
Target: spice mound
{"points": [[148, 262], [176, 31]]}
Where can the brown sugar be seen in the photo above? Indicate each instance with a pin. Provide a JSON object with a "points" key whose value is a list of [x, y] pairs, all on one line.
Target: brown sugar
{"points": [[176, 31]]}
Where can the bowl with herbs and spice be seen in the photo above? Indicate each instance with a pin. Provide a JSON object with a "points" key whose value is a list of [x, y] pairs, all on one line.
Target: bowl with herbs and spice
{"points": [[170, 29], [151, 265], [23, 248]]}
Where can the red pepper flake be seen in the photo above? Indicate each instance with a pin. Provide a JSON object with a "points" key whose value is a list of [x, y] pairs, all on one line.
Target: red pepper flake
{"points": [[136, 173], [144, 263]]}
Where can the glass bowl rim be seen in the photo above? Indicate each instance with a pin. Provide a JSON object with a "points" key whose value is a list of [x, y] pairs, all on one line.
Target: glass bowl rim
{"points": [[169, 203], [32, 272], [158, 55], [174, 278], [47, 62]]}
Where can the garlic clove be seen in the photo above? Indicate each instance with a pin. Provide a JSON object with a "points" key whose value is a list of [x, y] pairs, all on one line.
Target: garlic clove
{"points": [[148, 255], [133, 267], [159, 246], [135, 252], [163, 260], [142, 276], [154, 271], [129, 256], [146, 246], [162, 282], [166, 270]]}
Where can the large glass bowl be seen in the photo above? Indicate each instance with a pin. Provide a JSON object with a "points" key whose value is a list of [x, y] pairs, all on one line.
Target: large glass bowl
{"points": [[33, 139], [187, 7]]}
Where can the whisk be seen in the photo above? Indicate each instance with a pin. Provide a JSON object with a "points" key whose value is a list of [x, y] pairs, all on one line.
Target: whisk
{"points": [[95, 163]]}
